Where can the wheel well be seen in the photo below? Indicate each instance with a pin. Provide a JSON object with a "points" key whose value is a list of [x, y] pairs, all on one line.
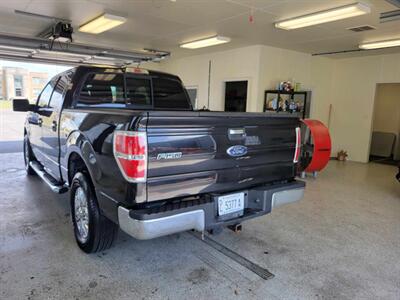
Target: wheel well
{"points": [[76, 164]]}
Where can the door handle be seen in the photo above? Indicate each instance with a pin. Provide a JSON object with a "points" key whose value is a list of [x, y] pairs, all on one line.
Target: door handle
{"points": [[54, 126]]}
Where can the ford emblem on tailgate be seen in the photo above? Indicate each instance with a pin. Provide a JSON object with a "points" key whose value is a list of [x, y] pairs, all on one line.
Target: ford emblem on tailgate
{"points": [[237, 150]]}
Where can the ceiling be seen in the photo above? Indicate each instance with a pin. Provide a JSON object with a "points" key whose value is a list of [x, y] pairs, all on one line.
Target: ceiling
{"points": [[164, 24]]}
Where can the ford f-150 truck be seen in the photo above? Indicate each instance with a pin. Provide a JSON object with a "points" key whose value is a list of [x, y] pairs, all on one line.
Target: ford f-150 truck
{"points": [[134, 154]]}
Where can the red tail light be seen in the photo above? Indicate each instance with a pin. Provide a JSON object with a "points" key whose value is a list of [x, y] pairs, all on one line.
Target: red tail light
{"points": [[130, 151], [298, 145]]}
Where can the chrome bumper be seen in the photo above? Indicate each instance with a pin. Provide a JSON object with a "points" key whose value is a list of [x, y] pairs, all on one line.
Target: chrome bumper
{"points": [[286, 197], [149, 229], [203, 217]]}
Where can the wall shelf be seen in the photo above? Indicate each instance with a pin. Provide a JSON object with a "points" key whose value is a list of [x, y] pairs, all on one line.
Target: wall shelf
{"points": [[288, 102]]}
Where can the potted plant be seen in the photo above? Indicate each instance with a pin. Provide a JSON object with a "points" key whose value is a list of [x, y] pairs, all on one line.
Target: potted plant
{"points": [[342, 155]]}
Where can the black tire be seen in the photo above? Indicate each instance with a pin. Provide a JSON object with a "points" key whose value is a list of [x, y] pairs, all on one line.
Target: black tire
{"points": [[28, 156], [101, 231]]}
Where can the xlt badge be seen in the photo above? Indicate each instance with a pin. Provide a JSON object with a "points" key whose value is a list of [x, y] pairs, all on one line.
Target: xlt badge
{"points": [[172, 155]]}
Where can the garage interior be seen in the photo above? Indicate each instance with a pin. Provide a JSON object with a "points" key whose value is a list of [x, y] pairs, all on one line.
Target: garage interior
{"points": [[342, 241]]}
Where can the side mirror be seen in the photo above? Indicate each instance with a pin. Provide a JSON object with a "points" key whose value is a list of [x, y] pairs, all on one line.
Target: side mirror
{"points": [[22, 105]]}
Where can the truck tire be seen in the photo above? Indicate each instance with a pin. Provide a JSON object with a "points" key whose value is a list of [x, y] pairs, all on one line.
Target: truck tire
{"points": [[93, 231], [28, 156]]}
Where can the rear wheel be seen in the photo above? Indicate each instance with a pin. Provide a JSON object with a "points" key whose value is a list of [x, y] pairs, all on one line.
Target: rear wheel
{"points": [[28, 156], [93, 231]]}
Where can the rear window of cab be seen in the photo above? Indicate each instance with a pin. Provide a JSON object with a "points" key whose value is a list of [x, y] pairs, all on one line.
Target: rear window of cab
{"points": [[132, 91]]}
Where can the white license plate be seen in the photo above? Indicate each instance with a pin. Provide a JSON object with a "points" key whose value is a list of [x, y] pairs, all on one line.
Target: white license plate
{"points": [[230, 203]]}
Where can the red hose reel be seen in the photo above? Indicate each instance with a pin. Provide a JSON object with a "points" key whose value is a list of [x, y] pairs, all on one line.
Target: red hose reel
{"points": [[316, 146]]}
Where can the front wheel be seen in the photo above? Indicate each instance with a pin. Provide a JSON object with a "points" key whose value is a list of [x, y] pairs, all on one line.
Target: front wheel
{"points": [[28, 156], [93, 231]]}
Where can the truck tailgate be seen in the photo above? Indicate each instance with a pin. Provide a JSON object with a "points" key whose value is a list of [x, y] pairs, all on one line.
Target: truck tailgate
{"points": [[188, 152]]}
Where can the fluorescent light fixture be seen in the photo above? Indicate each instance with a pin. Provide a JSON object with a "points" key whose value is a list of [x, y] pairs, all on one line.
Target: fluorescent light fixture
{"points": [[102, 23], [325, 16], [380, 44], [212, 41]]}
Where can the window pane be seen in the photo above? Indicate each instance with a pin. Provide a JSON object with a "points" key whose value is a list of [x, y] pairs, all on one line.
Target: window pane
{"points": [[18, 85], [45, 95], [138, 91], [192, 92], [102, 88], [169, 93], [57, 97]]}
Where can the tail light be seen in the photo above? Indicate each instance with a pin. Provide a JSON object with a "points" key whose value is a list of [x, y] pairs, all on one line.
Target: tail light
{"points": [[130, 151], [298, 145]]}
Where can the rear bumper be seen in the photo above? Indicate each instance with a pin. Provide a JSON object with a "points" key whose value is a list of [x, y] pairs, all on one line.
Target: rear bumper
{"points": [[202, 214]]}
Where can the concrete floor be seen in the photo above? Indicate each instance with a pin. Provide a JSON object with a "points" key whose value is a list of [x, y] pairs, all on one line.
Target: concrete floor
{"points": [[11, 125], [342, 241]]}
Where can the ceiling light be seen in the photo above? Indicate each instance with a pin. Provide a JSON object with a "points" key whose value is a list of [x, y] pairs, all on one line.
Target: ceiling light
{"points": [[212, 41], [380, 44], [102, 23], [325, 16]]}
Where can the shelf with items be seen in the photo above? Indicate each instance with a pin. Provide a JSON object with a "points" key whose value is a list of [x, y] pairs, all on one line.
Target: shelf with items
{"points": [[289, 102]]}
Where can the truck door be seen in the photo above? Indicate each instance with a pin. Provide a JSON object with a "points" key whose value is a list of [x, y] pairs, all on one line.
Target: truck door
{"points": [[35, 120], [50, 129]]}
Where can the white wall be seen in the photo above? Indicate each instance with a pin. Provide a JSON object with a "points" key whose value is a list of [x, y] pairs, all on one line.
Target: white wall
{"points": [[348, 85], [353, 95], [278, 65], [237, 64], [387, 112], [387, 108]]}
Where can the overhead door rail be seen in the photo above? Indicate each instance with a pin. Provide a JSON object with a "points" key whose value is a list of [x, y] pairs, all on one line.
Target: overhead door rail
{"points": [[23, 48]]}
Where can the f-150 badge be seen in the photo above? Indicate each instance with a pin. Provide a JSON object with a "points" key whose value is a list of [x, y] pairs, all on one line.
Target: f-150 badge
{"points": [[237, 150], [172, 155]]}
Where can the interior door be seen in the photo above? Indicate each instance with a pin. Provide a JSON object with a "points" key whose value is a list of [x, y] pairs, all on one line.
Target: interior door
{"points": [[50, 129], [35, 120], [236, 96]]}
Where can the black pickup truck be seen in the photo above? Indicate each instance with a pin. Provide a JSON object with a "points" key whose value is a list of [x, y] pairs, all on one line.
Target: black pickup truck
{"points": [[133, 154]]}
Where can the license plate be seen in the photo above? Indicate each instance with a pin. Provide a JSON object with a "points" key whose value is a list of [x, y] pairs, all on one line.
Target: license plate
{"points": [[230, 203]]}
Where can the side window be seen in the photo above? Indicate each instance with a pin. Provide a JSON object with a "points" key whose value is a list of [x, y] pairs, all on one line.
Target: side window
{"points": [[102, 88], [138, 91], [169, 93], [44, 97], [192, 93], [57, 98]]}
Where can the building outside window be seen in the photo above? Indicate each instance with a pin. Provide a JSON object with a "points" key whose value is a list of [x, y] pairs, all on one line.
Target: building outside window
{"points": [[38, 80], [18, 86], [36, 92]]}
